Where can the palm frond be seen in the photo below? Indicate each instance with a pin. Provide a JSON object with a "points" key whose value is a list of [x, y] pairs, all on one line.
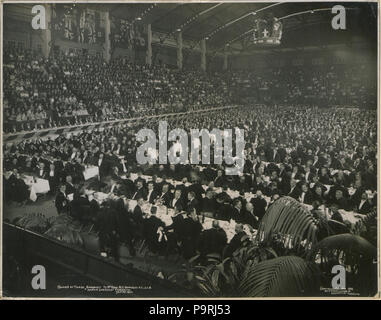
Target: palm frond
{"points": [[283, 276], [356, 254], [290, 224], [348, 243], [33, 221]]}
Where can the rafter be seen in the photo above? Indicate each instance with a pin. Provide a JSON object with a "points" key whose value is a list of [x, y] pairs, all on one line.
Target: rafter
{"points": [[231, 22]]}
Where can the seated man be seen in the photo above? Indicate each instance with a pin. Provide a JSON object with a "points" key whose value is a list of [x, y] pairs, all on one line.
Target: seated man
{"points": [[259, 204], [248, 217], [165, 197], [364, 206], [209, 203], [176, 202], [340, 200], [237, 241], [192, 205], [140, 192], [152, 194], [212, 240], [186, 231], [70, 188]]}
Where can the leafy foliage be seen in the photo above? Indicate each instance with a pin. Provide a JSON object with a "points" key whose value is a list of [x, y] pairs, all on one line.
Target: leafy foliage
{"points": [[289, 226], [222, 276], [36, 222], [280, 277], [358, 256], [64, 228], [367, 227]]}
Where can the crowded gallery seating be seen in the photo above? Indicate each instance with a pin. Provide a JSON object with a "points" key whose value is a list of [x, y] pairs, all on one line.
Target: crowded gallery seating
{"points": [[72, 89]]}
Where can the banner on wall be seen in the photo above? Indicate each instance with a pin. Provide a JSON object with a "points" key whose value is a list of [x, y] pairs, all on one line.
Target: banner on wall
{"points": [[82, 25], [125, 34]]}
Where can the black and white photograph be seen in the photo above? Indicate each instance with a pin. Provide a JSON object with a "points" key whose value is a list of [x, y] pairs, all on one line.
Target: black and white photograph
{"points": [[185, 150]]}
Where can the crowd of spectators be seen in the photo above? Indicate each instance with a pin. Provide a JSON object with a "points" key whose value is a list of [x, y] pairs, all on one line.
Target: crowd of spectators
{"points": [[328, 85], [35, 93], [317, 156], [70, 89]]}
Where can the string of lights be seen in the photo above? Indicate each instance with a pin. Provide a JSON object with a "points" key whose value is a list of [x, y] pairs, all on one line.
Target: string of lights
{"points": [[188, 22], [231, 22]]}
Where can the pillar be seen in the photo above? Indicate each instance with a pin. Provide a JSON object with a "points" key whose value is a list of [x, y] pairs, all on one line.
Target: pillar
{"points": [[47, 33], [149, 45], [180, 50], [107, 44], [203, 54], [225, 66]]}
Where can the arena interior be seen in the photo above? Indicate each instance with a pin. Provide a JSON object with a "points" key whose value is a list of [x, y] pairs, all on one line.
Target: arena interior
{"points": [[77, 90]]}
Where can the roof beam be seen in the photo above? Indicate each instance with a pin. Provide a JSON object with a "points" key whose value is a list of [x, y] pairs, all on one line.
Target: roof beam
{"points": [[231, 22]]}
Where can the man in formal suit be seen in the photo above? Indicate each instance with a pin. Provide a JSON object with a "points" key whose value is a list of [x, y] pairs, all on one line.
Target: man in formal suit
{"points": [[184, 189], [159, 185], [209, 202], [186, 231], [308, 175], [138, 217], [125, 226], [70, 188], [223, 208], [274, 156], [19, 191], [61, 201], [236, 212], [53, 177], [192, 205], [117, 187], [140, 178], [80, 206], [150, 234], [151, 192], [176, 202], [41, 171], [106, 224], [364, 206], [212, 240], [197, 188], [306, 195], [236, 242], [248, 217], [36, 159], [102, 164], [165, 197], [140, 192], [242, 185], [13, 163], [339, 200], [259, 205], [87, 158], [294, 189], [129, 185]]}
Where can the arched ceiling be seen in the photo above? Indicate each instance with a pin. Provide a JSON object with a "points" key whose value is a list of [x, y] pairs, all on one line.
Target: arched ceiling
{"points": [[222, 23]]}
